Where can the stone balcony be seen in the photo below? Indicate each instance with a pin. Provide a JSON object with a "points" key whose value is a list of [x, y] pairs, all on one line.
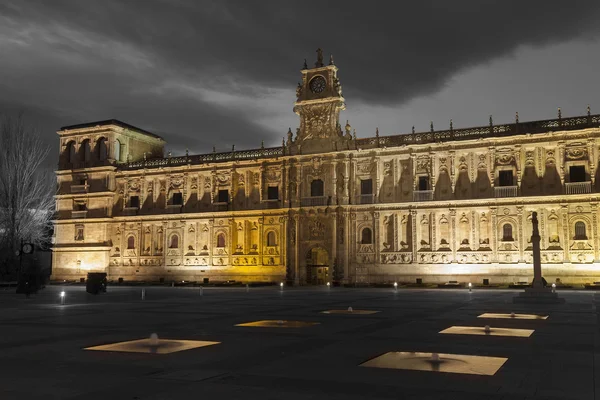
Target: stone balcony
{"points": [[79, 188], [269, 204], [423, 195], [578, 187], [505, 191], [79, 214], [365, 199], [314, 201]]}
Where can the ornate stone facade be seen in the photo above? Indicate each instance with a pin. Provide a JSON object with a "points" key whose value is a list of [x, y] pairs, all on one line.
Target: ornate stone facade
{"points": [[438, 205]]}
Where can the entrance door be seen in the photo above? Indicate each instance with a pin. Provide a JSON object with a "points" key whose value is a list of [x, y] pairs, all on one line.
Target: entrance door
{"points": [[317, 265], [318, 275]]}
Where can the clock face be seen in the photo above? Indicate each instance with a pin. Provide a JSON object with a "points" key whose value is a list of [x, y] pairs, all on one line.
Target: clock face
{"points": [[27, 248], [317, 84]]}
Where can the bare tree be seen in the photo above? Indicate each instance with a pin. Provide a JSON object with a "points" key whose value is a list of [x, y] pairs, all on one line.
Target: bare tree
{"points": [[27, 187]]}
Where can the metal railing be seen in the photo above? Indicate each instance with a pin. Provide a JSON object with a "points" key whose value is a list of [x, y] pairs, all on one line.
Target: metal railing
{"points": [[578, 187], [422, 195], [505, 191], [314, 201]]}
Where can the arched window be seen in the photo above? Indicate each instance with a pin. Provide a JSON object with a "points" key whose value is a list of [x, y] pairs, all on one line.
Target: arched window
{"points": [[271, 239], [221, 240], [117, 150], [71, 155], [131, 242], [507, 232], [174, 242], [366, 236], [580, 233], [316, 188], [102, 149], [86, 150]]}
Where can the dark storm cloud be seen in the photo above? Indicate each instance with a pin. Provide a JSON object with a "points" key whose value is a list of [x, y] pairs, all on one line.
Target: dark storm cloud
{"points": [[176, 67]]}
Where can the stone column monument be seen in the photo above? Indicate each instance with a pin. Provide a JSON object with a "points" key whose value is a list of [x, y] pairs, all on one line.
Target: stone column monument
{"points": [[537, 293]]}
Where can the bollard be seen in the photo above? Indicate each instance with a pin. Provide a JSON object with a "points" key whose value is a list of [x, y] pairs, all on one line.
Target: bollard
{"points": [[247, 288], [62, 298], [281, 286], [201, 291], [328, 285], [395, 286], [554, 288], [470, 286], [143, 294], [173, 284]]}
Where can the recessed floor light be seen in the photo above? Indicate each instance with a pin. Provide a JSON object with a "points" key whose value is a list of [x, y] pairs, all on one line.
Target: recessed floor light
{"points": [[479, 330], [350, 312], [278, 324], [164, 346], [434, 362], [512, 316]]}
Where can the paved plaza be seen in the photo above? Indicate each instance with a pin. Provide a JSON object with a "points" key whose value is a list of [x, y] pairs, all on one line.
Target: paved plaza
{"points": [[42, 344]]}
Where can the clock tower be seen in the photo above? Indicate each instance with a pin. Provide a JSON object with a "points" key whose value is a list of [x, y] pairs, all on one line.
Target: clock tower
{"points": [[319, 102]]}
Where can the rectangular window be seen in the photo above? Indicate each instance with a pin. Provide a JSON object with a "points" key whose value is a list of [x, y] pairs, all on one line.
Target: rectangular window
{"points": [[577, 173], [80, 206], [223, 196], [366, 186], [505, 178], [78, 232], [177, 199], [423, 183], [273, 193], [134, 201]]}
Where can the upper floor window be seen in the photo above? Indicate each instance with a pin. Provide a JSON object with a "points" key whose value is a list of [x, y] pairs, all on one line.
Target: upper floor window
{"points": [[80, 206], [223, 196], [102, 149], [72, 157], [177, 199], [271, 239], [131, 242], [273, 193], [221, 240], [366, 186], [134, 201], [423, 183], [505, 178], [174, 242], [86, 149], [580, 233], [366, 236], [316, 188], [577, 173], [507, 234]]}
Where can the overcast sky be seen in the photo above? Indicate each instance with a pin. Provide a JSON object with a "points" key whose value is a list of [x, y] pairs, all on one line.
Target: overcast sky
{"points": [[204, 73]]}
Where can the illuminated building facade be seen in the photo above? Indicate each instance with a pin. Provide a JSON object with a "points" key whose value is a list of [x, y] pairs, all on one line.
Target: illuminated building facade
{"points": [[325, 206]]}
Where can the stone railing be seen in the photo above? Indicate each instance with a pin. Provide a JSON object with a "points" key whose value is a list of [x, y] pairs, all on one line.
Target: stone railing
{"points": [[588, 121], [365, 199], [214, 157], [79, 188], [422, 195], [314, 201], [578, 187], [79, 214], [505, 191]]}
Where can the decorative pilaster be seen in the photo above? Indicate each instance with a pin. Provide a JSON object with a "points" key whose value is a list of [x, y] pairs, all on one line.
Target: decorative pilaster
{"points": [[518, 163], [492, 167], [564, 211], [413, 239], [377, 237], [334, 240], [346, 183], [560, 161], [494, 238], [521, 221], [453, 244], [452, 156], [594, 209], [334, 199], [377, 179], [296, 243], [592, 160]]}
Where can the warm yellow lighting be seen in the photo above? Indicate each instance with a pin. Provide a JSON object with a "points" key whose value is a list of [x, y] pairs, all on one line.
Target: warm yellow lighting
{"points": [[477, 330], [278, 324], [159, 346], [350, 311], [512, 316], [449, 363]]}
